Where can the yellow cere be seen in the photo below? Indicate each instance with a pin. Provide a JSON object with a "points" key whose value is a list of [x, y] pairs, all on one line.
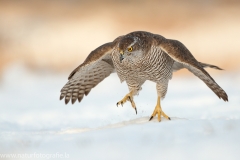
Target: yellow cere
{"points": [[121, 52]]}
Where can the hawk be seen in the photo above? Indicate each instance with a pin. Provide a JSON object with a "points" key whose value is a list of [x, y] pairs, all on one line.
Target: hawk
{"points": [[137, 57]]}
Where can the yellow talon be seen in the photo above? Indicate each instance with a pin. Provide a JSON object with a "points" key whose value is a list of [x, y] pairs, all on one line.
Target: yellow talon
{"points": [[128, 97], [158, 111]]}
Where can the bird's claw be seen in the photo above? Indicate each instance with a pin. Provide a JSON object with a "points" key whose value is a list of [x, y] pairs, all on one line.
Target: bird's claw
{"points": [[158, 111], [150, 118], [128, 97], [120, 102], [136, 110]]}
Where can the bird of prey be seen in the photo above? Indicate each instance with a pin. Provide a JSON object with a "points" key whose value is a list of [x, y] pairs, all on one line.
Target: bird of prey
{"points": [[137, 57]]}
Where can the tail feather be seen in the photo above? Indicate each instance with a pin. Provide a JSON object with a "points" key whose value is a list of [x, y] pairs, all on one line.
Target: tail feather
{"points": [[204, 65], [177, 66]]}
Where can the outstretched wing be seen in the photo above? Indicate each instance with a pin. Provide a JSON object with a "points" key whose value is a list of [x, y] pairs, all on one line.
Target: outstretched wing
{"points": [[177, 51], [97, 66]]}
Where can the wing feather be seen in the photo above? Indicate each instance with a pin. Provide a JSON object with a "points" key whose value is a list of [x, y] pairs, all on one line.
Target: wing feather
{"points": [[177, 51], [97, 66]]}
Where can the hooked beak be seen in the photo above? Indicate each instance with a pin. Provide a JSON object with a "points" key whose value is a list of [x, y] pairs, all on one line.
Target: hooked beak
{"points": [[121, 56]]}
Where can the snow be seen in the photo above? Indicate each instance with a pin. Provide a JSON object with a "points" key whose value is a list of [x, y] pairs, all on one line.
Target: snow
{"points": [[33, 120]]}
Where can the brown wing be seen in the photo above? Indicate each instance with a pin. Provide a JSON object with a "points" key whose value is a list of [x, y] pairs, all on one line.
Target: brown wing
{"points": [[177, 51], [97, 66]]}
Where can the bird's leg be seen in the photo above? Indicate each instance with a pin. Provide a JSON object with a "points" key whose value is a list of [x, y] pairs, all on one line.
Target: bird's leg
{"points": [[158, 111], [128, 97]]}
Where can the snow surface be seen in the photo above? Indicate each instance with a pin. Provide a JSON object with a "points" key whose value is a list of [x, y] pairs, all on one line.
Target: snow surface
{"points": [[33, 120]]}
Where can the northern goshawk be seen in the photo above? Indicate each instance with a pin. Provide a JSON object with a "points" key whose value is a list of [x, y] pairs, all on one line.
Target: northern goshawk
{"points": [[137, 57]]}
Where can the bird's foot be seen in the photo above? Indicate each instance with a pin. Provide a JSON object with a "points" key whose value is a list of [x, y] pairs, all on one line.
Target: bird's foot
{"points": [[158, 111], [128, 97]]}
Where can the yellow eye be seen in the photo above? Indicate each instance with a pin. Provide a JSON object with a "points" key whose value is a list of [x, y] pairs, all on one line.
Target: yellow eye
{"points": [[130, 49]]}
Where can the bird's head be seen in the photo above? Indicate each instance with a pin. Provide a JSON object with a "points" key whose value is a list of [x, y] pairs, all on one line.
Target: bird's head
{"points": [[130, 49]]}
